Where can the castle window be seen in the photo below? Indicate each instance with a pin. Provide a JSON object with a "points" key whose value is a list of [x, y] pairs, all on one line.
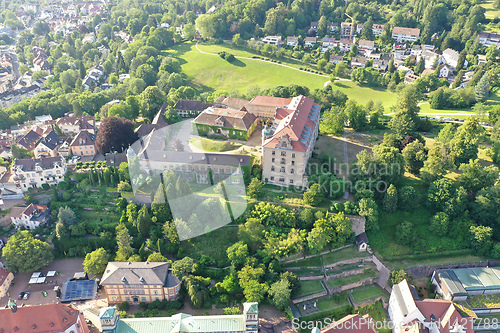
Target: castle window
{"points": [[283, 153], [293, 155]]}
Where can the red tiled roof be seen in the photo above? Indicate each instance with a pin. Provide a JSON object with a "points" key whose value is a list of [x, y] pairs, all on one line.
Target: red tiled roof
{"points": [[445, 313], [352, 323], [48, 318], [278, 102]]}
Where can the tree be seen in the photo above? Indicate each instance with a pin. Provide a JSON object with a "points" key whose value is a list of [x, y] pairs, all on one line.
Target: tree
{"points": [[333, 122], [369, 209], [313, 196], [461, 60], [252, 233], [115, 134], [482, 88], [420, 66], [23, 253], [356, 115], [62, 231], [414, 155], [157, 257], [399, 275], [408, 198], [475, 177], [66, 216], [237, 253], [465, 142], [440, 223], [96, 261], [280, 293], [124, 242], [367, 31], [254, 189], [249, 278], [405, 121], [437, 99], [183, 266], [146, 73], [405, 233], [143, 221], [481, 238], [152, 100], [391, 199]]}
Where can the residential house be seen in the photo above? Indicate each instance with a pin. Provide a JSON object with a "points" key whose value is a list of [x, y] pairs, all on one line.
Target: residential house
{"points": [[400, 51], [103, 50], [329, 43], [429, 57], [288, 142], [346, 44], [292, 41], [446, 72], [83, 144], [401, 34], [314, 26], [353, 323], [35, 172], [416, 50], [89, 38], [359, 28], [377, 29], [487, 39], [410, 78], [73, 125], [6, 279], [427, 71], [235, 124], [410, 314], [248, 322], [29, 140], [373, 55], [310, 41], [41, 64], [30, 217], [93, 77], [450, 58], [362, 242], [365, 46], [272, 40], [46, 318], [380, 64], [157, 123], [189, 108], [358, 62], [346, 30], [198, 12], [214, 8], [481, 59], [47, 146], [137, 282], [334, 27], [336, 59], [406, 69], [38, 52]]}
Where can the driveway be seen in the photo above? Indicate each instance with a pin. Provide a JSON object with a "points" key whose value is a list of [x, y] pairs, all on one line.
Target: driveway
{"points": [[66, 268]]}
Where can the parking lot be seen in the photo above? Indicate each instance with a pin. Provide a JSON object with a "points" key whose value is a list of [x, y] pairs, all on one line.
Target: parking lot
{"points": [[65, 269]]}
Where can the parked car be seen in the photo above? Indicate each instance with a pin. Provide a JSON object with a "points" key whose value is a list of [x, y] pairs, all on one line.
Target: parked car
{"points": [[21, 295], [27, 295]]}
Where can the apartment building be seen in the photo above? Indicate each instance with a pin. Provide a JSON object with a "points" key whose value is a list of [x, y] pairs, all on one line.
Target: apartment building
{"points": [[35, 172], [288, 142], [401, 34], [137, 282], [377, 29], [30, 217], [487, 39], [292, 41]]}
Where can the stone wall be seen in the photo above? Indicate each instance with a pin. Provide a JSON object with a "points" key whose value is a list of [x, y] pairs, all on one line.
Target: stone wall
{"points": [[309, 297], [346, 273], [361, 283]]}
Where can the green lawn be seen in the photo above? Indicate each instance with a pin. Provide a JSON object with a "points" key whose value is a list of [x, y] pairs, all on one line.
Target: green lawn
{"points": [[311, 262], [310, 287], [213, 145], [366, 292], [210, 72], [326, 303], [490, 11], [213, 245], [306, 272], [378, 313], [344, 254], [463, 113], [363, 94], [334, 283]]}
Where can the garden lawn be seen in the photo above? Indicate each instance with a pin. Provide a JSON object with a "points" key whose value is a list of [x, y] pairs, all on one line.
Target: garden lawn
{"points": [[344, 254], [362, 94], [309, 262], [214, 245], [306, 272], [210, 72], [366, 292], [334, 283], [329, 302], [309, 287], [213, 145], [379, 315]]}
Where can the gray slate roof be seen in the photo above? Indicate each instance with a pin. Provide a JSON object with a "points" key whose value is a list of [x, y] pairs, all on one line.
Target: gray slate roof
{"points": [[146, 273]]}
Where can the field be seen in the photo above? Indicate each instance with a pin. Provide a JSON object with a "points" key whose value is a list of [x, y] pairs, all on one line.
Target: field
{"points": [[210, 72], [213, 145], [309, 287], [365, 293]]}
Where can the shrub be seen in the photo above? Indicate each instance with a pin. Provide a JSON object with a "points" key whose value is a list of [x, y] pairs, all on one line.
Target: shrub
{"points": [[66, 196], [124, 187], [124, 306]]}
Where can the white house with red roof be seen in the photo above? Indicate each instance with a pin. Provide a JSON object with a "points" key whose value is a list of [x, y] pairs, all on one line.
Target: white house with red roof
{"points": [[29, 217], [288, 142]]}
